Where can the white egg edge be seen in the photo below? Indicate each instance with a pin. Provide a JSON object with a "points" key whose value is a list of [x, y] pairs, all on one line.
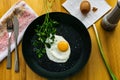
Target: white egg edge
{"points": [[52, 58]]}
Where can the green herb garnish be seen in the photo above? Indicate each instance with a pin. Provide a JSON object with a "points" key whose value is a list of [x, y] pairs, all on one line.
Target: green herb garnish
{"points": [[43, 32]]}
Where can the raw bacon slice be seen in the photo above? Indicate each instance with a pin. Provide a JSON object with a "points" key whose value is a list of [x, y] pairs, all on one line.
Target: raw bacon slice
{"points": [[25, 16]]}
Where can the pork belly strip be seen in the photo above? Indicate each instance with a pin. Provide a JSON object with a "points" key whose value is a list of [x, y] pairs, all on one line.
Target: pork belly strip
{"points": [[25, 16]]}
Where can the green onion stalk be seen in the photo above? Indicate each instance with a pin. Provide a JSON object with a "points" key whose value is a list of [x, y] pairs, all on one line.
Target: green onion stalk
{"points": [[102, 54]]}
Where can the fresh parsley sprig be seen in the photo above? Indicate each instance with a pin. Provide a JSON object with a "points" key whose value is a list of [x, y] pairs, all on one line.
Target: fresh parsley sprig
{"points": [[44, 31]]}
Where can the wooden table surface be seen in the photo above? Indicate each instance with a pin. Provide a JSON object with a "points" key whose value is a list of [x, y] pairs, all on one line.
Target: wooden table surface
{"points": [[93, 70]]}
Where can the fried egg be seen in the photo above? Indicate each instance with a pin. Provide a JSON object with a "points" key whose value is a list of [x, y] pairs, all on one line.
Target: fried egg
{"points": [[59, 51]]}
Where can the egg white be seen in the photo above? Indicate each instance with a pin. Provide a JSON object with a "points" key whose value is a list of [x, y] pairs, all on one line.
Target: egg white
{"points": [[54, 53]]}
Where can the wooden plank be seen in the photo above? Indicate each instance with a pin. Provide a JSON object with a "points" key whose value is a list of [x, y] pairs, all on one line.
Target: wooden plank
{"points": [[93, 70]]}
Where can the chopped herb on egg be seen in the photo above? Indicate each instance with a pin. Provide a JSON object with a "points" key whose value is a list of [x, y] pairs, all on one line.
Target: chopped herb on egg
{"points": [[44, 31]]}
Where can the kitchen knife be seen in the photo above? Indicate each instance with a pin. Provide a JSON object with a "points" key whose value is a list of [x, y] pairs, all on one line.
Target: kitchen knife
{"points": [[16, 30]]}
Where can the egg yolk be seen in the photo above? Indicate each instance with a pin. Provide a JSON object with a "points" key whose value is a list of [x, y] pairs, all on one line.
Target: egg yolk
{"points": [[63, 46]]}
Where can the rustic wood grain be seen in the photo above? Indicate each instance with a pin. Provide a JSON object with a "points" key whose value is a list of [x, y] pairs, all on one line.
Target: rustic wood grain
{"points": [[93, 70]]}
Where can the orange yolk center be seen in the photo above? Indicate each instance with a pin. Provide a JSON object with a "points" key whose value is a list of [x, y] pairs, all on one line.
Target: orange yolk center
{"points": [[63, 46]]}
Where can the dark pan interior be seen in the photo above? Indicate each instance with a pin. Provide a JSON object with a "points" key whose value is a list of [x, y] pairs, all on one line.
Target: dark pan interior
{"points": [[74, 32]]}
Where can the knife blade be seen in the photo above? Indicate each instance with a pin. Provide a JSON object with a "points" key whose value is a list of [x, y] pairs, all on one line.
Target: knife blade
{"points": [[16, 30]]}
